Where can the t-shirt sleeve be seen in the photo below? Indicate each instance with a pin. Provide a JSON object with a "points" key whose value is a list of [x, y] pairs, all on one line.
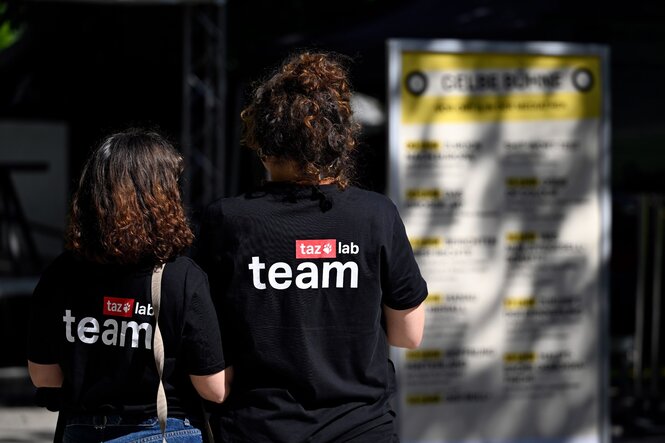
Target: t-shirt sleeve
{"points": [[209, 252], [45, 322], [402, 284], [201, 338], [213, 253], [203, 251]]}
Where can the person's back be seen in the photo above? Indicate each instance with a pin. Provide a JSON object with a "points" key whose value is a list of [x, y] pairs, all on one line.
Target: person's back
{"points": [[101, 320], [304, 302], [304, 270], [93, 328]]}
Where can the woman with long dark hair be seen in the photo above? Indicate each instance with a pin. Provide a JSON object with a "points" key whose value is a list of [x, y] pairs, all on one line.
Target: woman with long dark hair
{"points": [[93, 328], [313, 276]]}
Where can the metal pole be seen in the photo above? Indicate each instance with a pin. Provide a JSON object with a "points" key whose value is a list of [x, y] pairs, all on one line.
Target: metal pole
{"points": [[643, 234], [220, 128], [209, 93], [185, 135], [656, 302]]}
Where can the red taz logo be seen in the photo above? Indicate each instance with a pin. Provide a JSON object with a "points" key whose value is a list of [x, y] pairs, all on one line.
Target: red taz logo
{"points": [[118, 307], [316, 248]]}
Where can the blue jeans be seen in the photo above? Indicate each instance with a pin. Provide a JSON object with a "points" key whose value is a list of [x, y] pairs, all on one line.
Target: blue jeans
{"points": [[116, 429]]}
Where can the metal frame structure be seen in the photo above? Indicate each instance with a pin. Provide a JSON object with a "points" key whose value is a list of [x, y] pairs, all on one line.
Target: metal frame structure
{"points": [[204, 94], [647, 351], [203, 131]]}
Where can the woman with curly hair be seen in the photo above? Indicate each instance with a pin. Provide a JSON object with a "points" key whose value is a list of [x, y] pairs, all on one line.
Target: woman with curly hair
{"points": [[93, 326], [313, 276]]}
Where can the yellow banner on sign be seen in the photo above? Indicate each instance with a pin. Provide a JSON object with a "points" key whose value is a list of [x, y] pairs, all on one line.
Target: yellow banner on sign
{"points": [[440, 88], [430, 61], [559, 106]]}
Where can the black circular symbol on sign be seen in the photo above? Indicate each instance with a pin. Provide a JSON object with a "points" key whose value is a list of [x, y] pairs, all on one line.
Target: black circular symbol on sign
{"points": [[416, 83], [582, 79]]}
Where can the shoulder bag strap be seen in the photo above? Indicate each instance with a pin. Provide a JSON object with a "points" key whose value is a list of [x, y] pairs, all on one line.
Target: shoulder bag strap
{"points": [[158, 347]]}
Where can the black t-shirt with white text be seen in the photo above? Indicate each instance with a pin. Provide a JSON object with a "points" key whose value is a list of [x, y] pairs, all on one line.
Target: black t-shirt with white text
{"points": [[299, 275], [97, 322]]}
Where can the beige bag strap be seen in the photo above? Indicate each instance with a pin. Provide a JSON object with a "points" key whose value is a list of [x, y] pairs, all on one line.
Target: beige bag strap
{"points": [[158, 347]]}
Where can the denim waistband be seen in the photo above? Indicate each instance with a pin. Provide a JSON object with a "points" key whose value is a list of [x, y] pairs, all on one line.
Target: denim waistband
{"points": [[111, 420]]}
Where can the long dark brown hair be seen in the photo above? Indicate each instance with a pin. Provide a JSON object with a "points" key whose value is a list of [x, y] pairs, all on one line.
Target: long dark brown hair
{"points": [[127, 208], [303, 113]]}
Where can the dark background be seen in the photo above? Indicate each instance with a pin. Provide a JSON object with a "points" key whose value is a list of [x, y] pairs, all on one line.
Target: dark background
{"points": [[101, 66]]}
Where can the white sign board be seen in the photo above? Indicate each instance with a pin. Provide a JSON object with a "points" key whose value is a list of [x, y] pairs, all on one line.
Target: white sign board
{"points": [[499, 166]]}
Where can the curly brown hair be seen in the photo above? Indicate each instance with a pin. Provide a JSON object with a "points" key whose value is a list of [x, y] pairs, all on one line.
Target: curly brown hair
{"points": [[303, 113], [127, 208]]}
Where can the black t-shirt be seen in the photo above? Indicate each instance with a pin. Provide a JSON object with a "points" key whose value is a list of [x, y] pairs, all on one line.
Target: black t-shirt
{"points": [[299, 275], [97, 322]]}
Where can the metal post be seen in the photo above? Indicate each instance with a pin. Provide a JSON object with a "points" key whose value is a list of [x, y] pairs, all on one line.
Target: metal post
{"points": [[207, 78], [185, 135], [204, 102], [220, 135], [642, 258], [656, 301]]}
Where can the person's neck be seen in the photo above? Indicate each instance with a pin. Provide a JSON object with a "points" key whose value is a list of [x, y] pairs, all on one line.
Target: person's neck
{"points": [[281, 170]]}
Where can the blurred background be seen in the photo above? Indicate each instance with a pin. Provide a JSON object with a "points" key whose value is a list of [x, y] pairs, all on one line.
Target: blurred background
{"points": [[72, 71]]}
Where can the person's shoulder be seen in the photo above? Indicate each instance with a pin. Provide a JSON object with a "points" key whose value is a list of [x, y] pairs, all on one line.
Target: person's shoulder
{"points": [[230, 205], [64, 261], [214, 208], [63, 269], [370, 199], [185, 270], [185, 265], [367, 193]]}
